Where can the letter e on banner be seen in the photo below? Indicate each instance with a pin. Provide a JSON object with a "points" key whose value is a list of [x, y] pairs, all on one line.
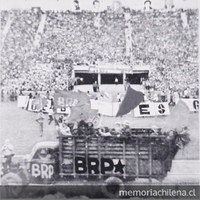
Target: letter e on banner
{"points": [[144, 109]]}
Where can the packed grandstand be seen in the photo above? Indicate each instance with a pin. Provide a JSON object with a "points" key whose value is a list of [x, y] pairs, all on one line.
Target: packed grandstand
{"points": [[33, 39]]}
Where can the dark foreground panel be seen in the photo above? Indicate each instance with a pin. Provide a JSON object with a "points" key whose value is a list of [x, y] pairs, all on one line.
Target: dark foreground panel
{"points": [[114, 190]]}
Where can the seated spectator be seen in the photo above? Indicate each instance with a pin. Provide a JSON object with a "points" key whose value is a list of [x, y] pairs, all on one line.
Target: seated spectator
{"points": [[64, 129], [126, 130], [105, 132], [82, 128], [117, 129]]}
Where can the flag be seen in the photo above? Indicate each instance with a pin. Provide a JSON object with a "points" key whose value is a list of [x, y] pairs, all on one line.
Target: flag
{"points": [[131, 100], [79, 102], [70, 99]]}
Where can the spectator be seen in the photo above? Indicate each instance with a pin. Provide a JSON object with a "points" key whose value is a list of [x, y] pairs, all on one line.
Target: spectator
{"points": [[147, 5], [64, 128], [30, 95], [2, 95], [40, 120], [118, 97], [95, 87], [44, 155], [51, 112], [21, 92], [7, 150]]}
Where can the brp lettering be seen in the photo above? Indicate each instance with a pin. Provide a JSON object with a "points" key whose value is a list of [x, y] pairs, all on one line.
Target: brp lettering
{"points": [[67, 102], [93, 166], [42, 170]]}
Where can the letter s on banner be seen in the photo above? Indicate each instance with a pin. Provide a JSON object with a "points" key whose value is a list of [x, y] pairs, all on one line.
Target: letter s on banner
{"points": [[162, 108]]}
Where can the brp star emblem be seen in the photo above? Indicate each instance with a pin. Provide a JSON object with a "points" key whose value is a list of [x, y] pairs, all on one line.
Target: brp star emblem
{"points": [[119, 167], [95, 166]]}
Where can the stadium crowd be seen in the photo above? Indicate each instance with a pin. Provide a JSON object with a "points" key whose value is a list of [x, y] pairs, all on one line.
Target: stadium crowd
{"points": [[4, 18], [159, 39]]}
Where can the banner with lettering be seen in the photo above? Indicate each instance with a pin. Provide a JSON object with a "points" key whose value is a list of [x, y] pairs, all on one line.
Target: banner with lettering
{"points": [[144, 110], [161, 108], [152, 109], [192, 104], [79, 103], [22, 101], [70, 99], [34, 105]]}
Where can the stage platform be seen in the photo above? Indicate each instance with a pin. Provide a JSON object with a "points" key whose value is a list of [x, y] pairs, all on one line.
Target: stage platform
{"points": [[110, 88]]}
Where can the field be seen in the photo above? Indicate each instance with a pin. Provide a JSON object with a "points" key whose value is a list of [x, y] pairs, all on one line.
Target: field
{"points": [[20, 127]]}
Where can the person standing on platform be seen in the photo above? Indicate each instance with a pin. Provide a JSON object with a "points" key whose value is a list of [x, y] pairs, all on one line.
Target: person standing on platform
{"points": [[95, 87], [119, 97], [126, 84], [116, 80]]}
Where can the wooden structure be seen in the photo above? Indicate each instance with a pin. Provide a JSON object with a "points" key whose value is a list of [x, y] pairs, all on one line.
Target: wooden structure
{"points": [[143, 154]]}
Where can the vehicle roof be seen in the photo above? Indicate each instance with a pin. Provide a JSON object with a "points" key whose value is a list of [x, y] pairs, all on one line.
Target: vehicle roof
{"points": [[46, 144]]}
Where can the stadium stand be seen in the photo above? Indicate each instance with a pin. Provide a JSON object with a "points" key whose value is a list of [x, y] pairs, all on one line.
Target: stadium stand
{"points": [[159, 39]]}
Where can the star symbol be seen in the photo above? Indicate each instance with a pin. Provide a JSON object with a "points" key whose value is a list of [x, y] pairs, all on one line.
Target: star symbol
{"points": [[119, 167]]}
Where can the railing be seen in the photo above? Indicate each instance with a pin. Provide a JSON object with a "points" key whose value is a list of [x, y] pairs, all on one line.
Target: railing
{"points": [[143, 155]]}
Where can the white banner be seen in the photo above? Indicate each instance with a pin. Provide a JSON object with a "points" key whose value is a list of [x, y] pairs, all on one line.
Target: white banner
{"points": [[144, 110], [151, 109], [115, 108], [161, 108], [33, 105], [95, 104], [22, 101], [108, 109], [192, 104]]}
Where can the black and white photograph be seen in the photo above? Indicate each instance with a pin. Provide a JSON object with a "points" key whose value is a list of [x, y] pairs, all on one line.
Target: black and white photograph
{"points": [[99, 99]]}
